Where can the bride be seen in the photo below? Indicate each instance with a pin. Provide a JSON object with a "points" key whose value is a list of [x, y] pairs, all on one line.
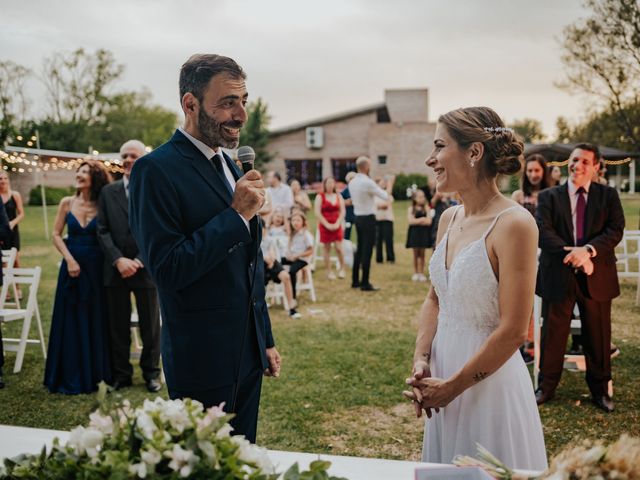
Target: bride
{"points": [[468, 375]]}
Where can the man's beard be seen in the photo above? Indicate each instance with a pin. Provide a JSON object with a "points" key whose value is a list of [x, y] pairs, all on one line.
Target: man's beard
{"points": [[211, 131]]}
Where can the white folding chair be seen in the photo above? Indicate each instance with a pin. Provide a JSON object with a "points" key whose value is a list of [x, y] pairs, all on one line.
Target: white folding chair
{"points": [[8, 261], [628, 258], [305, 282], [30, 277], [274, 293]]}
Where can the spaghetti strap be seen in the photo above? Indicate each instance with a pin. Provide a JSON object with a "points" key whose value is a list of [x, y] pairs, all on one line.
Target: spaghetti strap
{"points": [[495, 220], [455, 212]]}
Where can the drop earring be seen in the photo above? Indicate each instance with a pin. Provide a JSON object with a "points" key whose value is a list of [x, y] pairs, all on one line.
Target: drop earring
{"points": [[472, 163]]}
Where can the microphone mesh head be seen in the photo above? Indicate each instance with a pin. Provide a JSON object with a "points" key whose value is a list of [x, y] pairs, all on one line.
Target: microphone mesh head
{"points": [[246, 154]]}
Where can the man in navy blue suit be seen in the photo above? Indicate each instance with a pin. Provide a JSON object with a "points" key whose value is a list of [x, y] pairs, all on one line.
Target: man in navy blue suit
{"points": [[193, 216]]}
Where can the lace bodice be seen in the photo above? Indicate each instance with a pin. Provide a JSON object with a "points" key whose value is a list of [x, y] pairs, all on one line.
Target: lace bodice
{"points": [[468, 290]]}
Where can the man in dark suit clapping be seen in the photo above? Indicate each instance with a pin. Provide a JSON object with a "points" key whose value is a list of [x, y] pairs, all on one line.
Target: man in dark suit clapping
{"points": [[580, 223], [194, 218], [124, 274]]}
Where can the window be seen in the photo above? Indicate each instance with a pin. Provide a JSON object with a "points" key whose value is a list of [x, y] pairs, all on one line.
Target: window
{"points": [[382, 159], [342, 166], [306, 171]]}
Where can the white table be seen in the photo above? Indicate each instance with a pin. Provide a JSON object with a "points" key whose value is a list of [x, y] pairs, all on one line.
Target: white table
{"points": [[16, 440]]}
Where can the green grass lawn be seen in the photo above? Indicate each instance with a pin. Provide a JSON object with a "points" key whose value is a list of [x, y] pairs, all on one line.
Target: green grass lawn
{"points": [[344, 364]]}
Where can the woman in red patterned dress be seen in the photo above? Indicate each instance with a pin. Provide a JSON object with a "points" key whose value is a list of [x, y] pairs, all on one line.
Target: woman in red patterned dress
{"points": [[330, 211]]}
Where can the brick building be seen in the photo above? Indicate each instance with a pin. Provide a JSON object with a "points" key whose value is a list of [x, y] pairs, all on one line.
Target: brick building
{"points": [[396, 134]]}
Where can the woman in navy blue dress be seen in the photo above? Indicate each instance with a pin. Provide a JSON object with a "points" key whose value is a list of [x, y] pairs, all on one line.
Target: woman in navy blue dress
{"points": [[78, 357]]}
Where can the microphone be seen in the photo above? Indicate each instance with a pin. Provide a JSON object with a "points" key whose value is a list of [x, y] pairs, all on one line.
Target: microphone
{"points": [[246, 155]]}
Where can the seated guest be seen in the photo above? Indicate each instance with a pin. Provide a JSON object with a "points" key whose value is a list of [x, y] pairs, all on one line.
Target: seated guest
{"points": [[277, 234], [580, 224], [300, 197], [124, 275], [5, 233], [300, 247], [281, 195], [275, 272], [78, 356]]}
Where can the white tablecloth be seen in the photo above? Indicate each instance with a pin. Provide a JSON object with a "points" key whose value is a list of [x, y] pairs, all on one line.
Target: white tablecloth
{"points": [[16, 440]]}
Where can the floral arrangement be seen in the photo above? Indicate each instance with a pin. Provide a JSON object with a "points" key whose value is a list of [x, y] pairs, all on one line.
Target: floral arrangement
{"points": [[591, 460], [162, 439]]}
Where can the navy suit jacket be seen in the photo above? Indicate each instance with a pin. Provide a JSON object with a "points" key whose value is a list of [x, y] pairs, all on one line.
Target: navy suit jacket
{"points": [[604, 227], [206, 264]]}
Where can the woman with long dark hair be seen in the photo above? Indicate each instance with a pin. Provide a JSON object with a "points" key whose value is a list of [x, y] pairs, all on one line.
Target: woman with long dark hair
{"points": [[78, 357], [534, 180]]}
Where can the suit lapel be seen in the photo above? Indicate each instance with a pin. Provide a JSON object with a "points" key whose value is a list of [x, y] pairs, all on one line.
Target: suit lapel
{"points": [[121, 196], [201, 164], [565, 205]]}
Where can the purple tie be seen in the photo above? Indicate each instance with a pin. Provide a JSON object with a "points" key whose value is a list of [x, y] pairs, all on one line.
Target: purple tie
{"points": [[581, 207]]}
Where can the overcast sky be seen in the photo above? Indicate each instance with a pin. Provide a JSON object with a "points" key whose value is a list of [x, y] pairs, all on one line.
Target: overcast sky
{"points": [[308, 59]]}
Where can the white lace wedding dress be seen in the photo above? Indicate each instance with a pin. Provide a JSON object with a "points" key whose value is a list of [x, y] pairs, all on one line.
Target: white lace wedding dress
{"points": [[499, 412]]}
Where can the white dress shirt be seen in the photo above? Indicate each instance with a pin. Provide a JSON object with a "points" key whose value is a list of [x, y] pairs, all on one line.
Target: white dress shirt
{"points": [[209, 152], [125, 181], [363, 193], [573, 199], [281, 197]]}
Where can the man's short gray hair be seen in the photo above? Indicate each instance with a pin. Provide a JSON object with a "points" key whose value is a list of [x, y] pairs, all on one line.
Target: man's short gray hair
{"points": [[137, 144], [361, 160]]}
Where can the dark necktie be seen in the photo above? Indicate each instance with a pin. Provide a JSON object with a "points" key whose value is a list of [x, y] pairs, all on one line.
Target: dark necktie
{"points": [[581, 207], [217, 163]]}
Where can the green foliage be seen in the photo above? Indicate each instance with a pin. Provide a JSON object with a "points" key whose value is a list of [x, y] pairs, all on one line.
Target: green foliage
{"points": [[529, 129], [404, 181], [53, 195], [601, 54], [12, 101], [255, 132]]}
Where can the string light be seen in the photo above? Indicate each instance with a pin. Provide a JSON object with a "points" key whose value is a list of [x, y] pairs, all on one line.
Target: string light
{"points": [[606, 162]]}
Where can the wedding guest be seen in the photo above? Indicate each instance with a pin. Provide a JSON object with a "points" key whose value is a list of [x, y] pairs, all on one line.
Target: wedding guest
{"points": [[384, 226], [300, 197], [12, 201], [581, 223], [419, 233], [349, 217], [469, 376], [126, 275], [439, 203], [300, 247], [275, 272], [281, 194], [78, 354], [363, 191], [277, 234], [330, 210], [555, 176], [5, 233], [533, 181]]}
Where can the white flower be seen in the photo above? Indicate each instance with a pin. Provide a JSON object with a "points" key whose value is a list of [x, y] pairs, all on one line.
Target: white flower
{"points": [[151, 456], [85, 440], [175, 413], [225, 431], [146, 424], [138, 469], [182, 460], [212, 414], [101, 422], [253, 454], [208, 449]]}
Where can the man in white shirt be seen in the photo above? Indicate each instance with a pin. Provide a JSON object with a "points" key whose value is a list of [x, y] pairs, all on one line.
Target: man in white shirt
{"points": [[363, 193], [281, 194]]}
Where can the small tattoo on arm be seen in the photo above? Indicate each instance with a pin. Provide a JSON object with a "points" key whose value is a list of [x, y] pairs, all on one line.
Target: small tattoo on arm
{"points": [[480, 376]]}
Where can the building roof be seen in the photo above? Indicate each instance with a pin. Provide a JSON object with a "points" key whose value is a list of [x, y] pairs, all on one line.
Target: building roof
{"points": [[329, 118]]}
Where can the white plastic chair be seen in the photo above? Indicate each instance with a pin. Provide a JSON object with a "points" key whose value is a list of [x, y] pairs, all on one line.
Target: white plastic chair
{"points": [[628, 257], [274, 293], [30, 277], [305, 282], [8, 261]]}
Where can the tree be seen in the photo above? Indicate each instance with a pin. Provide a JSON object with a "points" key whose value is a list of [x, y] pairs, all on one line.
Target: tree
{"points": [[565, 132], [256, 131], [529, 129], [78, 85], [13, 105], [602, 60]]}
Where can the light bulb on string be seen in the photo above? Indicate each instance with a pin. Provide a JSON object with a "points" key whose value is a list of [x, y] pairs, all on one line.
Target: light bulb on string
{"points": [[19, 138]]}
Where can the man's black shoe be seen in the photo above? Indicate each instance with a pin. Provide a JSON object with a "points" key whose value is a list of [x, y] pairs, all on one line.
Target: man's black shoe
{"points": [[542, 397], [603, 402], [120, 384], [355, 285], [153, 385], [369, 288], [576, 350]]}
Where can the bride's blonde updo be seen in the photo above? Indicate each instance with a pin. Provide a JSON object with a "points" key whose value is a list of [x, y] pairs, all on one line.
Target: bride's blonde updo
{"points": [[503, 148]]}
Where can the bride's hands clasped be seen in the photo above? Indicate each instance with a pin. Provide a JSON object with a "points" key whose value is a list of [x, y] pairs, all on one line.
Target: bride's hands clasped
{"points": [[428, 393]]}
